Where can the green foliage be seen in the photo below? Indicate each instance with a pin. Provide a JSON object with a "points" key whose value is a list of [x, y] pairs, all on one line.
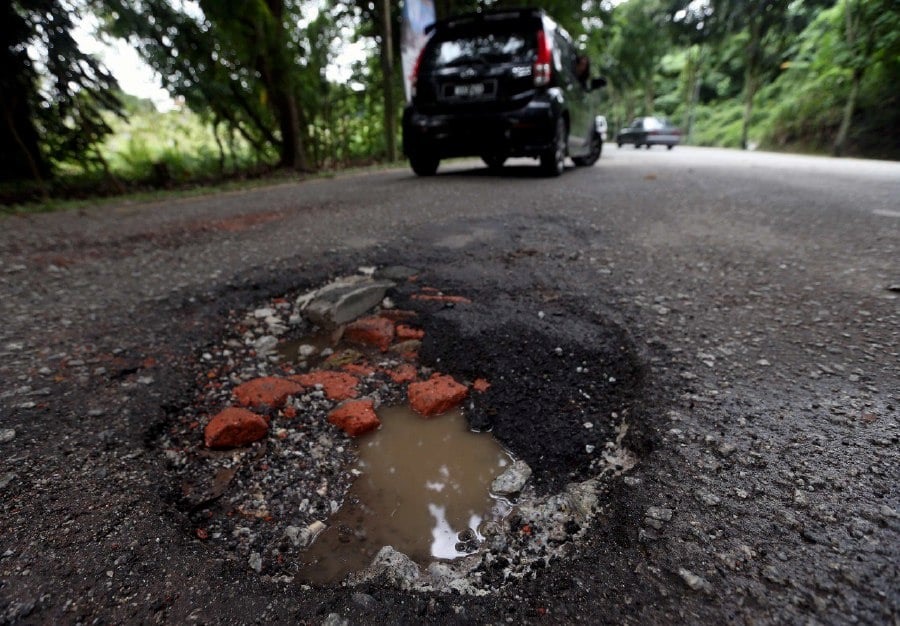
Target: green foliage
{"points": [[253, 75], [54, 97]]}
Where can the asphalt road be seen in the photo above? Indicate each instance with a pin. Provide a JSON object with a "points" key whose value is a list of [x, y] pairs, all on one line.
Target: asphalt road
{"points": [[758, 292]]}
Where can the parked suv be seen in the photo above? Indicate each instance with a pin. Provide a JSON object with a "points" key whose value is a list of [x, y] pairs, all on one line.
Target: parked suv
{"points": [[501, 84]]}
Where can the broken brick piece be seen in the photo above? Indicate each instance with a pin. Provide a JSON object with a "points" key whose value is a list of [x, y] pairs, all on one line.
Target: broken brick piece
{"points": [[437, 395], [355, 417], [405, 332], [371, 331], [481, 385], [405, 373], [268, 391], [338, 386], [429, 297], [359, 369], [233, 428], [397, 315]]}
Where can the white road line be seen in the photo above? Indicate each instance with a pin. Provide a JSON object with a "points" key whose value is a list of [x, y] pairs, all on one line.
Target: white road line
{"points": [[886, 213]]}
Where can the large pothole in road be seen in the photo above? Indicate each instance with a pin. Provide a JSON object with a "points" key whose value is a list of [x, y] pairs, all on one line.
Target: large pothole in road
{"points": [[274, 459]]}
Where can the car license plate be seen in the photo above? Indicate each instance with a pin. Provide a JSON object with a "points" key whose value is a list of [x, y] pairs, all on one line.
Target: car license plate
{"points": [[468, 91]]}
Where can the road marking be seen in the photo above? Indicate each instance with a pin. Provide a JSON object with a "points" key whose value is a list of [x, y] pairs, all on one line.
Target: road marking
{"points": [[886, 213]]}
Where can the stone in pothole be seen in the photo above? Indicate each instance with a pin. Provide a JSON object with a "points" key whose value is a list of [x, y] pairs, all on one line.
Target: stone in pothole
{"points": [[345, 300], [512, 480]]}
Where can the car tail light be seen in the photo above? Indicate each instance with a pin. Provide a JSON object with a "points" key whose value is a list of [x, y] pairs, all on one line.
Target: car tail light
{"points": [[542, 63], [415, 73]]}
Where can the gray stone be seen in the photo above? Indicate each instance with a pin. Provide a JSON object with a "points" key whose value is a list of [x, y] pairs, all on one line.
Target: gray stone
{"points": [[7, 435], [364, 600], [334, 619], [6, 479], [265, 345], [709, 499], [398, 568], [512, 480], [396, 272], [697, 583], [255, 562], [659, 513], [345, 300], [583, 497]]}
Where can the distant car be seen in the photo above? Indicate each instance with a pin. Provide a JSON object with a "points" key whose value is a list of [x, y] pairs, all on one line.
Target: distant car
{"points": [[650, 131]]}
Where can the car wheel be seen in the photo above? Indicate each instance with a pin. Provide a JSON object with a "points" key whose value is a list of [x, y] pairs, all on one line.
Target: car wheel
{"points": [[593, 155], [670, 146], [619, 143], [424, 164], [494, 161], [553, 160], [647, 146]]}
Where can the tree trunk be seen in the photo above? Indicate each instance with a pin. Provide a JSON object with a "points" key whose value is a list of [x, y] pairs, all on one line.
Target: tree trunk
{"points": [[840, 141], [277, 76], [851, 15], [648, 95], [387, 70], [749, 92], [20, 152], [750, 74], [693, 91]]}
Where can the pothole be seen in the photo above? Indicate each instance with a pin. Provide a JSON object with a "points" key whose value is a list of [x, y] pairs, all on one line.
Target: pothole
{"points": [[267, 473], [423, 487]]}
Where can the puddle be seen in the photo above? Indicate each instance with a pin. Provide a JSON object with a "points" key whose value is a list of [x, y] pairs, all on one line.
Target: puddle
{"points": [[423, 488], [309, 349]]}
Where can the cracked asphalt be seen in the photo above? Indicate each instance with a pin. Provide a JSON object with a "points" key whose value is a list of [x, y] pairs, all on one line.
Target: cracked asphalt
{"points": [[756, 295]]}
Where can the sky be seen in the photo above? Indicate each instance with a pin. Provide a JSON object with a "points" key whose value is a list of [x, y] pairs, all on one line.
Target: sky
{"points": [[135, 77]]}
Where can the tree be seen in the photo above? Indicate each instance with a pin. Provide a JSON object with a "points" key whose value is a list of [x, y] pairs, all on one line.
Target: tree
{"points": [[871, 34], [52, 105], [635, 50], [239, 60]]}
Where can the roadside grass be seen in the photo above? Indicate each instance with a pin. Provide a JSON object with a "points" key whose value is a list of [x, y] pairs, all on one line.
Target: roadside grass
{"points": [[156, 156]]}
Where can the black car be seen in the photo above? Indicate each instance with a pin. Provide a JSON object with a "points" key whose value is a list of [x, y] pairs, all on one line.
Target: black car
{"points": [[649, 131], [501, 84]]}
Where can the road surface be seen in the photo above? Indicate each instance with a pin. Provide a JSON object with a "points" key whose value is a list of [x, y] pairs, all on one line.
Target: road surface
{"points": [[757, 293]]}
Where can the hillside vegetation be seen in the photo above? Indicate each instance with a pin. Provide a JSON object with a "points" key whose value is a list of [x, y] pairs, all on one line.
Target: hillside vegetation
{"points": [[254, 92]]}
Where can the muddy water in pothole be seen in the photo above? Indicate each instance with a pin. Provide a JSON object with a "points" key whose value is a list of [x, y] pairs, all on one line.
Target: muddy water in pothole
{"points": [[423, 488]]}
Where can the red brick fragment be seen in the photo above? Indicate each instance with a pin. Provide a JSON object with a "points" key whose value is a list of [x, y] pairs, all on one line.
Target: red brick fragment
{"points": [[371, 331], [397, 315], [338, 386], [428, 297], [481, 385], [233, 428], [268, 391], [359, 369], [355, 417], [405, 332], [403, 374], [436, 395]]}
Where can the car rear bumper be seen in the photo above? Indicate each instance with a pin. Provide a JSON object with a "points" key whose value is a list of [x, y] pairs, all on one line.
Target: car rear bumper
{"points": [[527, 131], [662, 140]]}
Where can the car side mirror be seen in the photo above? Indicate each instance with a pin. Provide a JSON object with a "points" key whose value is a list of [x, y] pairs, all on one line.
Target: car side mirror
{"points": [[597, 83]]}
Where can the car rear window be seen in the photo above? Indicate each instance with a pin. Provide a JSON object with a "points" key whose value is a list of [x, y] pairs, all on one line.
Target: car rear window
{"points": [[497, 45]]}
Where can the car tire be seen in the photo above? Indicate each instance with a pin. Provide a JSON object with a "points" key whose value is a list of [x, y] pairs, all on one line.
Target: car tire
{"points": [[670, 146], [553, 159], [619, 143], [424, 164], [494, 161], [593, 155]]}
